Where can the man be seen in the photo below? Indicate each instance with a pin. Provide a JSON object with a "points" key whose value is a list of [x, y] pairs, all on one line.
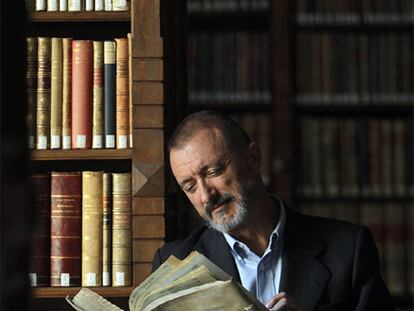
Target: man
{"points": [[289, 261]]}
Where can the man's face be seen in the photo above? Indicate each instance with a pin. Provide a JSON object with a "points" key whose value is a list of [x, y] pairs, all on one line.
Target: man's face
{"points": [[216, 180]]}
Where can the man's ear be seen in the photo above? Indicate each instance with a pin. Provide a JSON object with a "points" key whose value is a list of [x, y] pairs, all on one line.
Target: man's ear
{"points": [[255, 156]]}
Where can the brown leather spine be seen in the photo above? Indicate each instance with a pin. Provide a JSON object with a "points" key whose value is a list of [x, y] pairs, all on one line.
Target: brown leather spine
{"points": [[41, 237], [122, 93], [82, 64], [31, 89], [66, 229]]}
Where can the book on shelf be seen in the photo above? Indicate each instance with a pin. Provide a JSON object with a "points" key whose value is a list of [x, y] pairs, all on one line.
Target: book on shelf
{"points": [[179, 285], [56, 93], [121, 229], [31, 90], [39, 272], [122, 93], [63, 5], [75, 5], [66, 229], [67, 94], [110, 93], [92, 217], [131, 124], [121, 5], [41, 5], [98, 95], [107, 229], [82, 78], [89, 5], [52, 5]]}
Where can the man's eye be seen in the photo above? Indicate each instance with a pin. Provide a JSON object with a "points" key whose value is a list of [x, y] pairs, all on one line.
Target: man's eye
{"points": [[215, 171], [190, 188]]}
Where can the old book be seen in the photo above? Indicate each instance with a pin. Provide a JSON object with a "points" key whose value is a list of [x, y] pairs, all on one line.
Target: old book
{"points": [[400, 160], [109, 93], [98, 96], [122, 93], [82, 63], [121, 229], [75, 5], [31, 89], [43, 93], [107, 229], [41, 5], [53, 5], [99, 5], [387, 157], [348, 158], [92, 212], [108, 5], [67, 94], [120, 5], [66, 229], [410, 247], [56, 94], [131, 129], [40, 269], [86, 299], [89, 4], [63, 5]]}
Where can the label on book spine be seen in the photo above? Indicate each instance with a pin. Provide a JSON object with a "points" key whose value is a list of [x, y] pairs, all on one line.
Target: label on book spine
{"points": [[122, 142], [40, 5], [33, 279], [64, 279], [66, 142], [120, 279], [55, 142], [52, 5], [63, 5], [130, 141], [81, 141], [97, 142], [106, 279], [42, 142], [88, 5], [99, 5], [108, 5], [110, 141], [91, 279], [75, 5]]}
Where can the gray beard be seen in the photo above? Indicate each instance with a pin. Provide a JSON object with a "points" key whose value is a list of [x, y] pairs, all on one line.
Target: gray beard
{"points": [[238, 218]]}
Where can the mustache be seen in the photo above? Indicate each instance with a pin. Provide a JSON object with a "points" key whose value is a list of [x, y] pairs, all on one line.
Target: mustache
{"points": [[216, 201]]}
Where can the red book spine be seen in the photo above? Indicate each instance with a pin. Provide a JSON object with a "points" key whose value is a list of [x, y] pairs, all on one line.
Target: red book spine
{"points": [[66, 229], [82, 79], [40, 272]]}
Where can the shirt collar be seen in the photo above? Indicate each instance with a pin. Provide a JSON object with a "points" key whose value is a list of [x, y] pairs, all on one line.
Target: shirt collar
{"points": [[276, 237]]}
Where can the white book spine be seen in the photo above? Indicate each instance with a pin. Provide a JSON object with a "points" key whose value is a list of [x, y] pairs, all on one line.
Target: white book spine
{"points": [[40, 5], [52, 5], [63, 5], [99, 5], [89, 5]]}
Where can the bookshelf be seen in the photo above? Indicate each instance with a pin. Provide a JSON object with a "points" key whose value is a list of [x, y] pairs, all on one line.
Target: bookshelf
{"points": [[145, 160], [350, 121]]}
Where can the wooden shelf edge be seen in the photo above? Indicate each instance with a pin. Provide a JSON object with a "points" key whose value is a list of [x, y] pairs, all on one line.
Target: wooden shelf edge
{"points": [[89, 154], [114, 16], [60, 292]]}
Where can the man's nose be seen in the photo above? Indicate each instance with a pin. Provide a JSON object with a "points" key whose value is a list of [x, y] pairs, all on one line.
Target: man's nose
{"points": [[206, 192]]}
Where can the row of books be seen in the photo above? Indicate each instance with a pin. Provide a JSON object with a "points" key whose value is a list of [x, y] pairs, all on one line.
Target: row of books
{"points": [[78, 93], [206, 6], [77, 5], [83, 235], [351, 11], [393, 228], [355, 158], [355, 68], [232, 67]]}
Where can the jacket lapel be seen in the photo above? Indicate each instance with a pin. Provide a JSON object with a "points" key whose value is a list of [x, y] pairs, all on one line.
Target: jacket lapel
{"points": [[303, 274], [213, 245]]}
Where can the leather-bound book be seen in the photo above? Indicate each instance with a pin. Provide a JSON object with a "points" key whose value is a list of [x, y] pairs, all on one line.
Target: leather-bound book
{"points": [[31, 86], [66, 229], [122, 93], [40, 269], [121, 229], [98, 95], [92, 214], [110, 95], [67, 94], [56, 94], [43, 93], [107, 232], [82, 63], [130, 89]]}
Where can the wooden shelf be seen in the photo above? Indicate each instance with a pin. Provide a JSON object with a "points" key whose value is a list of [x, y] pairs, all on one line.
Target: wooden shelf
{"points": [[59, 292], [356, 199], [89, 154], [69, 17]]}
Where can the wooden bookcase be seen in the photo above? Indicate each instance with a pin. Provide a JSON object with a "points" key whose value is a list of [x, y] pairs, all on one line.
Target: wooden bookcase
{"points": [[146, 159]]}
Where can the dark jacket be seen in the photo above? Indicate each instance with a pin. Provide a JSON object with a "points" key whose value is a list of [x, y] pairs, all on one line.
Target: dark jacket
{"points": [[327, 264]]}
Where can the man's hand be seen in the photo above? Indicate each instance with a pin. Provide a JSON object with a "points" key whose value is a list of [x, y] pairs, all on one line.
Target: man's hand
{"points": [[283, 301]]}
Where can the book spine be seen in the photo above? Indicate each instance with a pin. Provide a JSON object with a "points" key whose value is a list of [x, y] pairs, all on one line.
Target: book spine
{"points": [[30, 5], [110, 93], [67, 94], [89, 5], [99, 5], [130, 90], [75, 5], [66, 229], [108, 5], [107, 227], [121, 229], [52, 5], [56, 94], [63, 5], [98, 95], [40, 270], [122, 93], [43, 94], [410, 247], [400, 164], [120, 5], [92, 213], [40, 5], [82, 63], [31, 86]]}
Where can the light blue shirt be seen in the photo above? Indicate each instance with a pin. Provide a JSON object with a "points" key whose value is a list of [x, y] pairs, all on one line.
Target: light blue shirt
{"points": [[261, 275]]}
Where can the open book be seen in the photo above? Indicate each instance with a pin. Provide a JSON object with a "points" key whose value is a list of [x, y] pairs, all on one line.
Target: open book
{"points": [[194, 283]]}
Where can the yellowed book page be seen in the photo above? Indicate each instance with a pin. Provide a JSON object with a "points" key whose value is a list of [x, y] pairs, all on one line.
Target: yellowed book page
{"points": [[219, 295], [152, 281], [87, 300]]}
